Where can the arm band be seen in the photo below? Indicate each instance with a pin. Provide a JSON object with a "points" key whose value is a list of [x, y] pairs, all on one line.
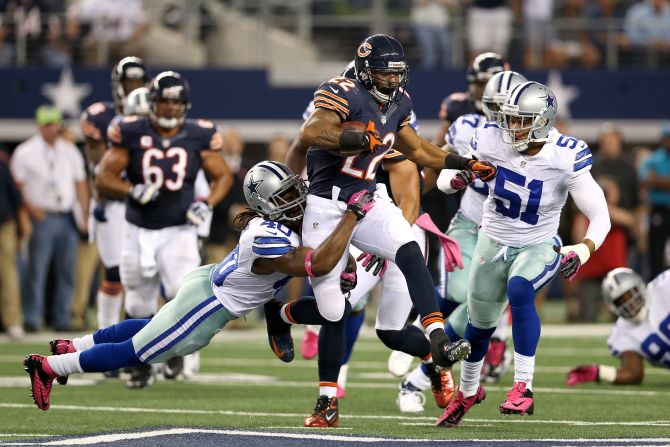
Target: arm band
{"points": [[455, 161], [606, 373], [308, 264], [352, 140]]}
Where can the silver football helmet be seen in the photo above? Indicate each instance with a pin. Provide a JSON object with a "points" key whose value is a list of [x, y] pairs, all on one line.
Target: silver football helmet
{"points": [[137, 102], [528, 115], [625, 293], [274, 192], [496, 90]]}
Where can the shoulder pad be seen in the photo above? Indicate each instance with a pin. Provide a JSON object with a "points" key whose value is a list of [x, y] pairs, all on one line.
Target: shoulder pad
{"points": [[334, 95]]}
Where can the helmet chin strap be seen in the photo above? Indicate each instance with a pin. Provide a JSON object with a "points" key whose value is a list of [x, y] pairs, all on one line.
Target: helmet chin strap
{"points": [[379, 96]]}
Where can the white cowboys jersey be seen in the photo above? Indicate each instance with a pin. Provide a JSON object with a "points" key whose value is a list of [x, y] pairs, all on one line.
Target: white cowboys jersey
{"points": [[651, 338], [235, 285], [525, 199], [458, 138]]}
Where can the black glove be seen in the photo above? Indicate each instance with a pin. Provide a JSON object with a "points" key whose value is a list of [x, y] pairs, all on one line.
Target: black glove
{"points": [[99, 212]]}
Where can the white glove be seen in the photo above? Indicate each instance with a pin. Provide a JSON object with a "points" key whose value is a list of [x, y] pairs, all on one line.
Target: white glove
{"points": [[198, 212], [143, 194]]}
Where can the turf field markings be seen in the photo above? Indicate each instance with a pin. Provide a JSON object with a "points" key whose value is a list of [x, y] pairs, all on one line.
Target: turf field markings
{"points": [[7, 435], [660, 423]]}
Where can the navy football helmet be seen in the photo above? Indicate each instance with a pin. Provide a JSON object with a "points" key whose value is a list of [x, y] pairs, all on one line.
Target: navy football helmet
{"points": [[169, 85], [482, 69], [129, 70], [381, 54]]}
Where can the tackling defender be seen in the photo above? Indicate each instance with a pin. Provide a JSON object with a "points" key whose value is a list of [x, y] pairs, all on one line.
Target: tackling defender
{"points": [[268, 254]]}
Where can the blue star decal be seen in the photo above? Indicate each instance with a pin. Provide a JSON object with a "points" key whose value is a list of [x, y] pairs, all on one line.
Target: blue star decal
{"points": [[252, 187], [551, 101]]}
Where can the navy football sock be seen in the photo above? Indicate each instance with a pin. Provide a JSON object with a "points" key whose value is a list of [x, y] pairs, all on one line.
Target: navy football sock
{"points": [[410, 340], [451, 333], [411, 263], [447, 307], [108, 357], [332, 341], [119, 332], [352, 329], [526, 323], [479, 341]]}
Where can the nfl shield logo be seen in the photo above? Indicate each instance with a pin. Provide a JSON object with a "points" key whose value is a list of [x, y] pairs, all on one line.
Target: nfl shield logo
{"points": [[146, 142]]}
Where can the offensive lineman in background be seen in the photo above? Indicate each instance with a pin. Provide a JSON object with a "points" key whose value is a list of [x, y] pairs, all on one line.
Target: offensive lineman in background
{"points": [[642, 331], [161, 154], [518, 250], [107, 214], [343, 159]]}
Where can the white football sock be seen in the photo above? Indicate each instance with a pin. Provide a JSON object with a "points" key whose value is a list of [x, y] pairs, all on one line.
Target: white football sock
{"points": [[83, 343], [342, 378], [418, 379], [470, 372], [524, 369], [329, 391], [65, 364], [109, 308]]}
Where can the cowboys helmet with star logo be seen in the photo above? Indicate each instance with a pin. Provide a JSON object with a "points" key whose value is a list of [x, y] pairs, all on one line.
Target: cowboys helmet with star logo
{"points": [[537, 107], [274, 192]]}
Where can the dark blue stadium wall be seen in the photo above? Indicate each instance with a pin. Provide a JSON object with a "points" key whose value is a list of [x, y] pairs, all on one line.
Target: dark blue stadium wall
{"points": [[246, 94]]}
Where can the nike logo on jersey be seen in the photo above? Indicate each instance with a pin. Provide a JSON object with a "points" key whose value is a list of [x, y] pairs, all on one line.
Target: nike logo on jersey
{"points": [[335, 90]]}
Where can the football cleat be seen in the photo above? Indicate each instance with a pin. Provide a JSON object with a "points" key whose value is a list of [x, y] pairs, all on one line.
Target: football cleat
{"points": [[282, 346], [173, 368], [442, 385], [41, 379], [519, 401], [410, 399], [309, 347], [399, 363], [496, 361], [141, 377], [445, 354], [453, 414], [325, 413], [58, 347]]}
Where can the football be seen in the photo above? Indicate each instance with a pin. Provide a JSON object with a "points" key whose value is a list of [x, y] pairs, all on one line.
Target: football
{"points": [[354, 125]]}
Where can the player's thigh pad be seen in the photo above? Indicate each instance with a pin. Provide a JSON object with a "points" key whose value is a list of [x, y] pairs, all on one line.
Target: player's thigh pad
{"points": [[465, 232], [395, 302], [383, 231], [487, 283], [537, 263], [177, 256], [108, 234], [186, 324], [321, 218]]}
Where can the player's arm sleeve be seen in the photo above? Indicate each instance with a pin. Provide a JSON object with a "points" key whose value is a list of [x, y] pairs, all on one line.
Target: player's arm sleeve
{"points": [[267, 246], [590, 200], [332, 96]]}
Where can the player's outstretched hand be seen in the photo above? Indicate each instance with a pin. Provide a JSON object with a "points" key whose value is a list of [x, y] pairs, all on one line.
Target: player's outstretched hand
{"points": [[461, 180], [582, 374], [573, 257], [198, 212], [360, 203], [373, 261], [482, 169], [144, 194]]}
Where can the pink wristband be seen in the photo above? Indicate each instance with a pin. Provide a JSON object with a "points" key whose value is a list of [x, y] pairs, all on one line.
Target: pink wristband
{"points": [[308, 264]]}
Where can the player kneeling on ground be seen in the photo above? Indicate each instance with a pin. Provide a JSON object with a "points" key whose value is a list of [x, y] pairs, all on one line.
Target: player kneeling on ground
{"points": [[268, 255], [641, 331]]}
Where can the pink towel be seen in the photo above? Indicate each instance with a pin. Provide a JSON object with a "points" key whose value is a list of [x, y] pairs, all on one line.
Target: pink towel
{"points": [[452, 252]]}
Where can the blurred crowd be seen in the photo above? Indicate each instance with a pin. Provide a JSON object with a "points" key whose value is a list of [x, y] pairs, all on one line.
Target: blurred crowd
{"points": [[50, 271], [529, 33]]}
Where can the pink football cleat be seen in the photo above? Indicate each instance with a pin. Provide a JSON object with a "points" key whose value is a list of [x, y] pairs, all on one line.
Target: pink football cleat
{"points": [[453, 414], [519, 401], [41, 379], [309, 347], [58, 347]]}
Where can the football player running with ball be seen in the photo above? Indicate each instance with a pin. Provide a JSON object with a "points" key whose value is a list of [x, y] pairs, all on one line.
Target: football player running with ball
{"points": [[344, 158], [518, 251], [268, 255], [642, 331]]}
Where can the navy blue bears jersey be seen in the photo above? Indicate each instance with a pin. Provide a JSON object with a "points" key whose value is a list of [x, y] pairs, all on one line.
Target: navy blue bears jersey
{"points": [[455, 105], [352, 102], [95, 120], [171, 164]]}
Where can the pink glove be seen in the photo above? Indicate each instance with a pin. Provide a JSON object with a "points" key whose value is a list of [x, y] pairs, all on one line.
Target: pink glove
{"points": [[348, 281], [452, 251], [360, 203], [370, 261], [461, 180], [582, 374]]}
